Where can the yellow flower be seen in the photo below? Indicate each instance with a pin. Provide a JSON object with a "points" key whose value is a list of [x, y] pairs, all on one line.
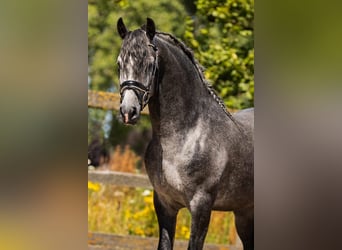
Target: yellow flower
{"points": [[185, 231], [93, 186]]}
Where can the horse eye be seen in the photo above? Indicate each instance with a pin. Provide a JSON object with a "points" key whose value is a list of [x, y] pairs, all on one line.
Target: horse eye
{"points": [[154, 47]]}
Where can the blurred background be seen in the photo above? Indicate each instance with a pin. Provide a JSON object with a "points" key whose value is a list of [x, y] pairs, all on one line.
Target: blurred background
{"points": [[220, 33], [45, 77]]}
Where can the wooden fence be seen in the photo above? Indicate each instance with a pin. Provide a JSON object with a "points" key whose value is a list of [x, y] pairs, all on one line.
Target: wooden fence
{"points": [[119, 178], [100, 241], [106, 101]]}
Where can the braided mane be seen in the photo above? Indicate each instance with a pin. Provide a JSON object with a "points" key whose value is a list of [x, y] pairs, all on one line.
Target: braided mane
{"points": [[200, 69]]}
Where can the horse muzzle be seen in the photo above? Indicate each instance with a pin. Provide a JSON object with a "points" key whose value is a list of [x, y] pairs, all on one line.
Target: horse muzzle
{"points": [[133, 100], [130, 115]]}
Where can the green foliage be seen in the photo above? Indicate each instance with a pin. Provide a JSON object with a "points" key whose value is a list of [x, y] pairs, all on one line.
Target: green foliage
{"points": [[95, 124], [221, 36]]}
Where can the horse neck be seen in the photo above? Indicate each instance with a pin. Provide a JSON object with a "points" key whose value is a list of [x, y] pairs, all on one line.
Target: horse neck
{"points": [[182, 97]]}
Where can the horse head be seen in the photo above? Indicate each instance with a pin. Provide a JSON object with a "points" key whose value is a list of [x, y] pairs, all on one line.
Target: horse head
{"points": [[137, 65]]}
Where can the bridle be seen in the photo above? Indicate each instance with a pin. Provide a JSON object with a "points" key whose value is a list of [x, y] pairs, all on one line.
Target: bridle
{"points": [[139, 88]]}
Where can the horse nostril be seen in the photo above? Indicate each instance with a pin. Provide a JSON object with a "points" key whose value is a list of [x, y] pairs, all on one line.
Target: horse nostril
{"points": [[134, 112]]}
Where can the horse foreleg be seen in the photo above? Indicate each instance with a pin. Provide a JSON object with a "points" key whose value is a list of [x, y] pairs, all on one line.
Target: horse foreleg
{"points": [[200, 209], [244, 221], [167, 224]]}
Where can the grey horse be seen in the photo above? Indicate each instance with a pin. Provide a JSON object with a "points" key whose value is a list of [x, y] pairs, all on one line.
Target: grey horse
{"points": [[200, 156]]}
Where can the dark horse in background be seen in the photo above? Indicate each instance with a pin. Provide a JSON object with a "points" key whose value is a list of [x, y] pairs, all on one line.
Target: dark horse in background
{"points": [[200, 156]]}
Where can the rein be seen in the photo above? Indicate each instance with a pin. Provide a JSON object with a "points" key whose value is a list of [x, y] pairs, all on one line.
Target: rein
{"points": [[138, 87]]}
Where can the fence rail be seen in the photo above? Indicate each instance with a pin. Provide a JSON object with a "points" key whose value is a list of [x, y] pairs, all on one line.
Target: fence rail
{"points": [[105, 100], [100, 241], [119, 178]]}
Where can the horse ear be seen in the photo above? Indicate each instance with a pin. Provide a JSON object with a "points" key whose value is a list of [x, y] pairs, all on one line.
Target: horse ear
{"points": [[121, 28], [150, 28]]}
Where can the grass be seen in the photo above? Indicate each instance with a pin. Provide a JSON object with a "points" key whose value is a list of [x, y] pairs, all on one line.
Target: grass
{"points": [[130, 211]]}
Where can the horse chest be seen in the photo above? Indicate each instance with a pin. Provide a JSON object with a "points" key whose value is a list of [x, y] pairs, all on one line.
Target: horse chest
{"points": [[191, 165], [182, 163], [180, 153], [180, 175]]}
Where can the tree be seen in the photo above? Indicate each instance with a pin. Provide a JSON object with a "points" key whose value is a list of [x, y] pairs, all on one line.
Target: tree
{"points": [[221, 35], [104, 42]]}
